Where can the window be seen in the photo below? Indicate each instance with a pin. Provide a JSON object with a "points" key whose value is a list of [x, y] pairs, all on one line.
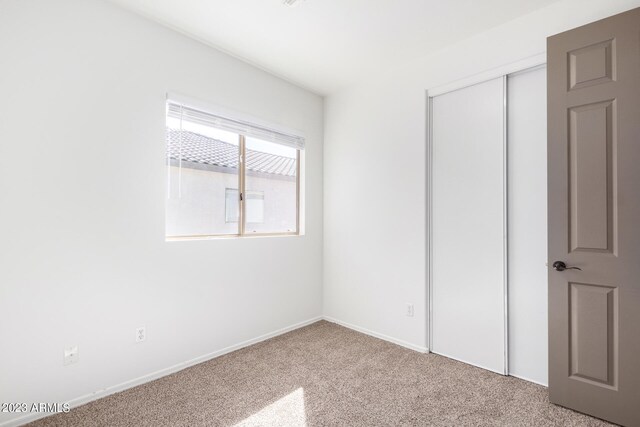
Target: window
{"points": [[229, 177], [254, 206], [232, 211]]}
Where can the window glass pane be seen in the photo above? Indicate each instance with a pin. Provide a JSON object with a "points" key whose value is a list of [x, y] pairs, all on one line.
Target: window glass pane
{"points": [[232, 208], [271, 183], [254, 206], [202, 163]]}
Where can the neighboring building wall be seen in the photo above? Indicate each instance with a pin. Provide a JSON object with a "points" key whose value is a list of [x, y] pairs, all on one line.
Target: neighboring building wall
{"points": [[197, 205]]}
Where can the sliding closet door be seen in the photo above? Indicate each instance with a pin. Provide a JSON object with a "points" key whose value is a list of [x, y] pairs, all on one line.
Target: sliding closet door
{"points": [[527, 148], [468, 225]]}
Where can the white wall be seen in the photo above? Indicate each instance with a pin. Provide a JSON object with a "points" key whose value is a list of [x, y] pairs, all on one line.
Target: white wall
{"points": [[83, 258], [375, 158]]}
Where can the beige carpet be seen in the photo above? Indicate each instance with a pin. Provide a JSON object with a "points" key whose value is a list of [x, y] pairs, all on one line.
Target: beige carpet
{"points": [[327, 375]]}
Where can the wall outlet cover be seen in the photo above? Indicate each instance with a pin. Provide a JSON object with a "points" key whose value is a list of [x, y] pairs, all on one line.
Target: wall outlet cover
{"points": [[410, 310], [141, 334], [71, 355]]}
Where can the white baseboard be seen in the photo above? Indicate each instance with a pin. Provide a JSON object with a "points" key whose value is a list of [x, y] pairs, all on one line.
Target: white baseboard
{"points": [[366, 331], [81, 400]]}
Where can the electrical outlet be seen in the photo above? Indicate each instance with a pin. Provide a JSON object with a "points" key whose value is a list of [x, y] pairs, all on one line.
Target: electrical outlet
{"points": [[71, 355], [409, 311], [141, 334]]}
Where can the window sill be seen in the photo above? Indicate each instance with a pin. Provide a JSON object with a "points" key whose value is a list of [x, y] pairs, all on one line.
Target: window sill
{"points": [[230, 236]]}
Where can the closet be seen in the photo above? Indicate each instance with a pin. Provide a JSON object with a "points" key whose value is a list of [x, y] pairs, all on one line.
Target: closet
{"points": [[488, 224]]}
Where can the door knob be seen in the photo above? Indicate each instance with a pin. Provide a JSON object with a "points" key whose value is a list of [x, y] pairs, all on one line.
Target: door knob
{"points": [[561, 266]]}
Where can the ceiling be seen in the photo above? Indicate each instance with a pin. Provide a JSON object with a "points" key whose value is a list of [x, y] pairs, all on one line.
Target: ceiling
{"points": [[324, 45]]}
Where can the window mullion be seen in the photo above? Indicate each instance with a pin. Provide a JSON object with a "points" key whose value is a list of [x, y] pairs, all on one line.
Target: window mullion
{"points": [[242, 192]]}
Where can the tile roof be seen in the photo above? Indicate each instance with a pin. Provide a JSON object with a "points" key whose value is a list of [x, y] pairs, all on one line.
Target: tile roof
{"points": [[203, 150]]}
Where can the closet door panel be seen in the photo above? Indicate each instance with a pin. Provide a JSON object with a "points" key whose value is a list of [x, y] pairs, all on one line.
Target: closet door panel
{"points": [[468, 225], [527, 151]]}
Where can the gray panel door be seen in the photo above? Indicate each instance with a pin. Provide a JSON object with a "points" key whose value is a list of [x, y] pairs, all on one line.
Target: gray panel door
{"points": [[594, 218]]}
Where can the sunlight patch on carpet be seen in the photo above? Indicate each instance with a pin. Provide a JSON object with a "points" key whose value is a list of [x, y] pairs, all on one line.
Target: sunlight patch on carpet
{"points": [[287, 411]]}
